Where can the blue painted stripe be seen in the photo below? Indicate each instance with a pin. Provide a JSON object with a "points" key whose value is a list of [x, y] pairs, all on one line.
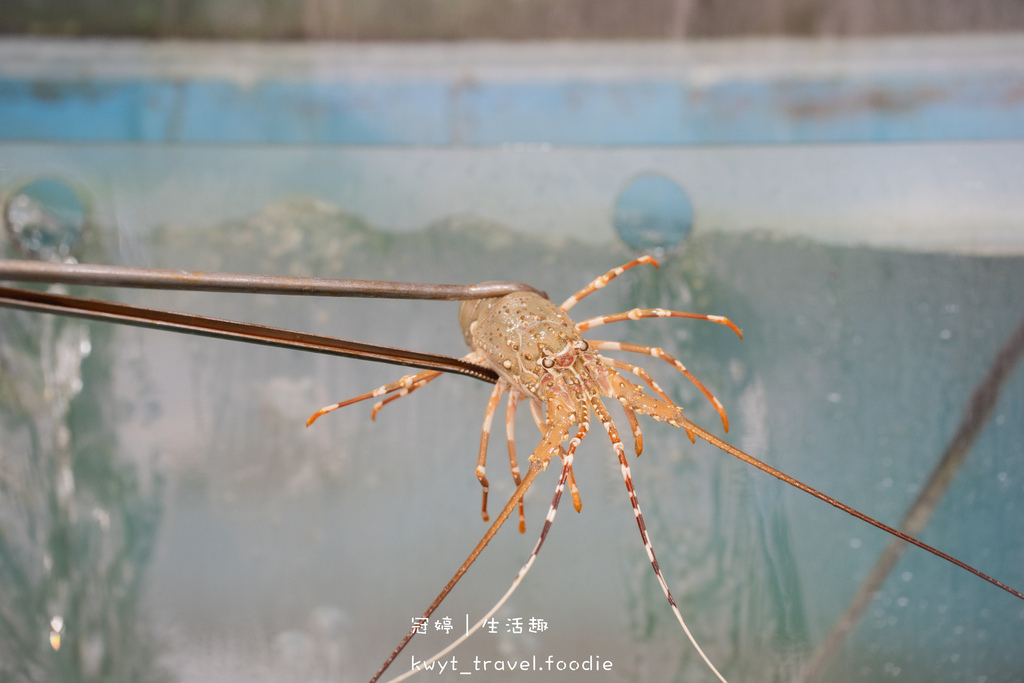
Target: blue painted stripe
{"points": [[982, 106]]}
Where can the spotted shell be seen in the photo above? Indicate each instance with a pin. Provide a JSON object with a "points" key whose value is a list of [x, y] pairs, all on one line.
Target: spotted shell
{"points": [[520, 335]]}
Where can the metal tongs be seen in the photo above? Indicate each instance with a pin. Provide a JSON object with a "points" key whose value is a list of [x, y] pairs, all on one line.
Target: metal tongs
{"points": [[150, 278]]}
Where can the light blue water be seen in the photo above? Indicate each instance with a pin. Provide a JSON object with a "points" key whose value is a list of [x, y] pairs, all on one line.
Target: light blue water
{"points": [[208, 533]]}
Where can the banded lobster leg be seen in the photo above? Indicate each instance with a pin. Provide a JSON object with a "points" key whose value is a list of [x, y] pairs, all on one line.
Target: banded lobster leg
{"points": [[600, 282], [404, 386], [510, 438], [643, 375], [620, 452], [485, 434], [642, 313], [535, 410], [410, 383], [671, 360], [510, 415], [636, 313]]}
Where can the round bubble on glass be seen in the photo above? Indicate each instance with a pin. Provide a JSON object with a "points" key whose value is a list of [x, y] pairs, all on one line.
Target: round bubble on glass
{"points": [[653, 213], [45, 218]]}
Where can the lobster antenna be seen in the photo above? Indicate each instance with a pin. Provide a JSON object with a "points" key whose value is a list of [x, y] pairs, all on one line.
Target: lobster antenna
{"points": [[782, 476], [536, 467], [566, 465]]}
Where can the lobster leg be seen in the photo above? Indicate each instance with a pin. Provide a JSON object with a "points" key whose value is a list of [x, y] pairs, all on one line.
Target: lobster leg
{"points": [[485, 435], [634, 425], [641, 313], [403, 386], [639, 372], [510, 436], [642, 374], [620, 452], [600, 282], [632, 396], [671, 360], [577, 502], [415, 385]]}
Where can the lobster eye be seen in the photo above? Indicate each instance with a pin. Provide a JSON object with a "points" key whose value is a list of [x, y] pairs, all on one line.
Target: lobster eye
{"points": [[582, 345], [547, 362]]}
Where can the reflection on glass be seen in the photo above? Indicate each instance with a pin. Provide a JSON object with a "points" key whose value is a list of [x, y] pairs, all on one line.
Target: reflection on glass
{"points": [[78, 518], [46, 218]]}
